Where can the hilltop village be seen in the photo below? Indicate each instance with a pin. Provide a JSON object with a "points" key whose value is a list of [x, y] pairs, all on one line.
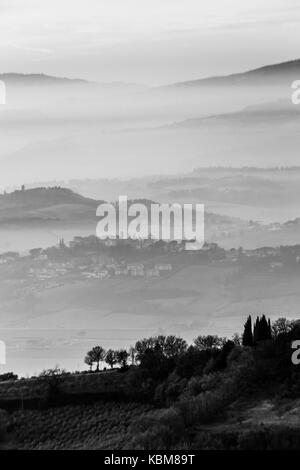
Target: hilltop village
{"points": [[92, 259]]}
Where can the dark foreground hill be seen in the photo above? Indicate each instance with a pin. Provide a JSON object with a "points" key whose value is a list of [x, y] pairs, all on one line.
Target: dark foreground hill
{"points": [[236, 394]]}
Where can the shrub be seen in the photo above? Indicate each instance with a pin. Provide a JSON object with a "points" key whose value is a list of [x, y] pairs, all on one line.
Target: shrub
{"points": [[8, 376], [160, 430], [3, 434], [167, 392], [280, 438]]}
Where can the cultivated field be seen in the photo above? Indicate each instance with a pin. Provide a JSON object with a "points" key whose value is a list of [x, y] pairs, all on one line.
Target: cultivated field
{"points": [[100, 425]]}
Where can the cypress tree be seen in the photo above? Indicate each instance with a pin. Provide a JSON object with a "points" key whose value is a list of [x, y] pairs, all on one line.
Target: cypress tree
{"points": [[247, 335], [265, 329], [262, 329], [256, 330]]}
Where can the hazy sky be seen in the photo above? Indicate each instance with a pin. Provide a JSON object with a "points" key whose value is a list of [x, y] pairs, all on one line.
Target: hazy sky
{"points": [[151, 41]]}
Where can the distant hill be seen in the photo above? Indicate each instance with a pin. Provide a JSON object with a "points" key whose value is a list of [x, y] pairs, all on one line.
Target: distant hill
{"points": [[276, 74], [42, 197], [62, 205], [41, 204], [281, 112], [44, 80], [38, 79], [56, 204]]}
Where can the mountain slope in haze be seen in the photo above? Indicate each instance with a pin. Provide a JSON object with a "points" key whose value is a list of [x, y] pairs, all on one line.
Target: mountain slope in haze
{"points": [[41, 216], [38, 79], [44, 80], [61, 202], [272, 74], [91, 153], [280, 112], [277, 74]]}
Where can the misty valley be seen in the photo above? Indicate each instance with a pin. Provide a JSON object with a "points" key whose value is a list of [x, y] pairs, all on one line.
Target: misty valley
{"points": [[134, 341]]}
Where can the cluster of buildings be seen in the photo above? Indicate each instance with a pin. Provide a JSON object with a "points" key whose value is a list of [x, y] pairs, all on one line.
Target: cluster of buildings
{"points": [[136, 270], [85, 258], [138, 244], [49, 271], [273, 258]]}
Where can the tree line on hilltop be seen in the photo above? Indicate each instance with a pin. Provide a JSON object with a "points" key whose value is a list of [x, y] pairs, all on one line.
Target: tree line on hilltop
{"points": [[153, 351]]}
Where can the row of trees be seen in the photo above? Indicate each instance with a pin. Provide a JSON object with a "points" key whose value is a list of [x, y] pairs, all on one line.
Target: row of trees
{"points": [[111, 357], [263, 330], [171, 347]]}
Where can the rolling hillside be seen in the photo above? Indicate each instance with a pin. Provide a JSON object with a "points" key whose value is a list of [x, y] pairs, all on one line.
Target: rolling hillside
{"points": [[275, 74]]}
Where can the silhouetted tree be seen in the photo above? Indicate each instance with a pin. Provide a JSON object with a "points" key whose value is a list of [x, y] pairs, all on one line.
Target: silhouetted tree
{"points": [[209, 342], [281, 326], [88, 361], [8, 376], [122, 357], [169, 346], [247, 338], [52, 378], [97, 354], [262, 329], [256, 331], [111, 358], [174, 346], [144, 345]]}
